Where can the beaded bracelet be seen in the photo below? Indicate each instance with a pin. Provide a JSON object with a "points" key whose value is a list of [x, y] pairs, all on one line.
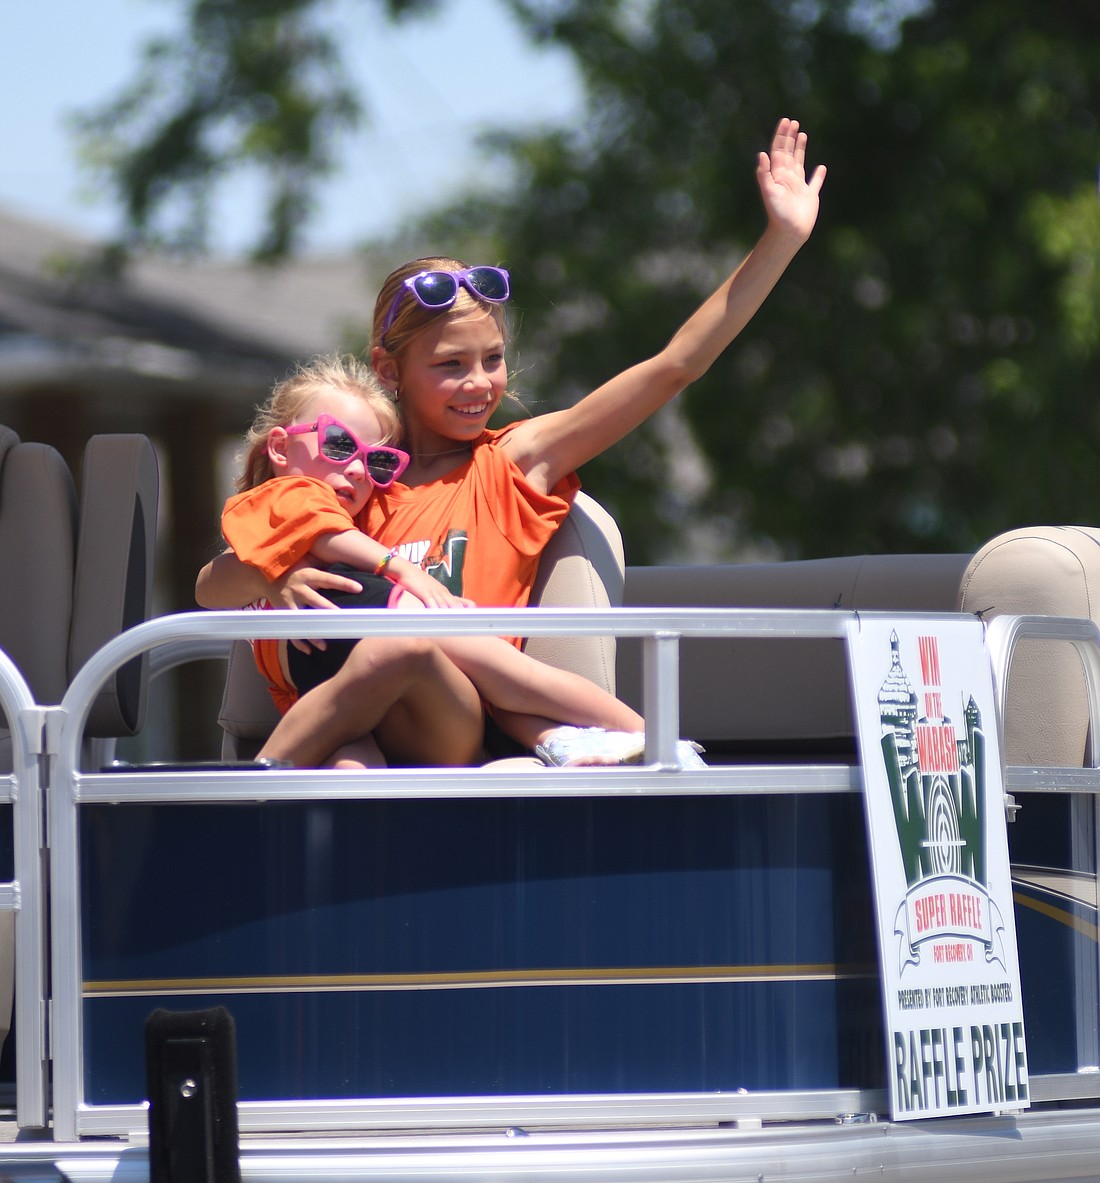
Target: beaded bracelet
{"points": [[388, 558]]}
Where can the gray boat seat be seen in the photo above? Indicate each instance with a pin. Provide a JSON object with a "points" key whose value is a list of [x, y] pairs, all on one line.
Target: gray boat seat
{"points": [[38, 522], [113, 576], [78, 570], [85, 567], [582, 566]]}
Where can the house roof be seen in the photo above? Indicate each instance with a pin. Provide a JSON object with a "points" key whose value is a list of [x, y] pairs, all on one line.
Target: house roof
{"points": [[165, 325]]}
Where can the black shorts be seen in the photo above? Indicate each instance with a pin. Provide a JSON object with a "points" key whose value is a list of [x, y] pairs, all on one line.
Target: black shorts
{"points": [[318, 665]]}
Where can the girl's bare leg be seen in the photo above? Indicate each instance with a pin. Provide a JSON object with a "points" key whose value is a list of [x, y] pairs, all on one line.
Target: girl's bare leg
{"points": [[528, 730], [519, 684], [418, 704], [363, 753]]}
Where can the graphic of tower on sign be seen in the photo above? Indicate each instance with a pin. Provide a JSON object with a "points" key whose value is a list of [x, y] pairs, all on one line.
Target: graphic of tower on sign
{"points": [[936, 775]]}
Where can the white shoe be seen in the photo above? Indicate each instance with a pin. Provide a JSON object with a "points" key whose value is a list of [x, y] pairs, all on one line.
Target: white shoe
{"points": [[688, 754], [567, 747]]}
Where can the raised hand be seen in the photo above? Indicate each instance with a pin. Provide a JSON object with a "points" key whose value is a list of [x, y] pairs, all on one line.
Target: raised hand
{"points": [[790, 200]]}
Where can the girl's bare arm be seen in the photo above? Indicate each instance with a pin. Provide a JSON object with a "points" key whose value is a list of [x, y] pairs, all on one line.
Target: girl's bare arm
{"points": [[226, 582], [366, 554], [549, 446]]}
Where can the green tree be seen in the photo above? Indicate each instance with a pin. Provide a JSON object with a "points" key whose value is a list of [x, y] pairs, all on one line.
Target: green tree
{"points": [[252, 84], [926, 372]]}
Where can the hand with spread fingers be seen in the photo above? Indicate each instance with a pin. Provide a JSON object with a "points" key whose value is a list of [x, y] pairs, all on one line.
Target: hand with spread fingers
{"points": [[791, 201]]}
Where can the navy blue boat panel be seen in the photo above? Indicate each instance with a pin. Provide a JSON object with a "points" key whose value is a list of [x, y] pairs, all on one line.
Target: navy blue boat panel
{"points": [[430, 886], [7, 843], [525, 1041], [1051, 848], [424, 948]]}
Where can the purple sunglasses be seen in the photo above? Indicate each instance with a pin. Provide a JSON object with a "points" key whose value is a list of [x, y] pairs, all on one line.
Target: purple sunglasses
{"points": [[437, 290], [340, 445]]}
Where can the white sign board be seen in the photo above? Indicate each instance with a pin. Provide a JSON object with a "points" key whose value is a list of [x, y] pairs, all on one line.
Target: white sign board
{"points": [[939, 851]]}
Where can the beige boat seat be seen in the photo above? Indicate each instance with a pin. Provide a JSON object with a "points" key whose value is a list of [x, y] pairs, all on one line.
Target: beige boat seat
{"points": [[775, 699], [1044, 571], [582, 566]]}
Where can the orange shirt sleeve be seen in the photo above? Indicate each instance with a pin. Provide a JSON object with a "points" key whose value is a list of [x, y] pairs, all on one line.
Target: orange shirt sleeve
{"points": [[523, 515], [480, 529], [274, 525]]}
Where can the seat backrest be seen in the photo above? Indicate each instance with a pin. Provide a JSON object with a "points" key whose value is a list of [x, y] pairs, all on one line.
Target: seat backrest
{"points": [[776, 696], [75, 574], [78, 570], [582, 566], [113, 580], [781, 696], [8, 440], [1046, 571], [38, 515], [247, 715]]}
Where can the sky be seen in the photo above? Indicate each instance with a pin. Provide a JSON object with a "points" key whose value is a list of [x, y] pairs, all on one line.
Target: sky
{"points": [[424, 84]]}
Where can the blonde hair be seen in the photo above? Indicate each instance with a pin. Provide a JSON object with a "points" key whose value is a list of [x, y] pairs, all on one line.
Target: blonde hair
{"points": [[411, 318], [344, 373]]}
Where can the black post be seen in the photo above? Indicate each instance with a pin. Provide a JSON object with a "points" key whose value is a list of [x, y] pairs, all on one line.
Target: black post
{"points": [[191, 1076]]}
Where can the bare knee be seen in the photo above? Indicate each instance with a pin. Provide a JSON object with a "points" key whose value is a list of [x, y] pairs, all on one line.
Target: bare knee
{"points": [[408, 657], [357, 756]]}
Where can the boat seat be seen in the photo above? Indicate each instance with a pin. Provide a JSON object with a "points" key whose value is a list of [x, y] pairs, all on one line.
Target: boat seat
{"points": [[769, 696], [1044, 571], [789, 698], [38, 521], [582, 566], [86, 567], [79, 571], [113, 576]]}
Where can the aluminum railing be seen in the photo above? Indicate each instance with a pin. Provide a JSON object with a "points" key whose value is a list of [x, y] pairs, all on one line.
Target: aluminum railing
{"points": [[661, 630], [25, 894]]}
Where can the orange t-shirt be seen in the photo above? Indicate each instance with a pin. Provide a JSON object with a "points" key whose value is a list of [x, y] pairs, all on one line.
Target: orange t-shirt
{"points": [[480, 530], [275, 524], [271, 527]]}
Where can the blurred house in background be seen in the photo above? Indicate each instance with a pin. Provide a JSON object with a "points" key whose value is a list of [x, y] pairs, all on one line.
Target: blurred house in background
{"points": [[178, 351]]}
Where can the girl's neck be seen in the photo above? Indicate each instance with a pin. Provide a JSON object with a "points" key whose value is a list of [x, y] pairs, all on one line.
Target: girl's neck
{"points": [[427, 457], [435, 461]]}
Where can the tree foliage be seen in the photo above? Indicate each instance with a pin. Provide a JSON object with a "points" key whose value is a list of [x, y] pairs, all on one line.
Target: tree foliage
{"points": [[252, 84], [926, 372]]}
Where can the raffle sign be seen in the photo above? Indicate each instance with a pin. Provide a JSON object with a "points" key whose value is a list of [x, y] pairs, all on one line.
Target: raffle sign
{"points": [[939, 851]]}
